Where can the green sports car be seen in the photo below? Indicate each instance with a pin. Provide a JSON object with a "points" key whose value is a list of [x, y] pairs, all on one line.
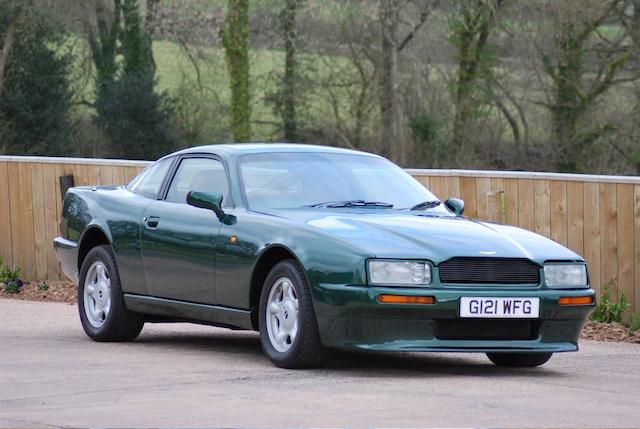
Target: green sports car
{"points": [[316, 248]]}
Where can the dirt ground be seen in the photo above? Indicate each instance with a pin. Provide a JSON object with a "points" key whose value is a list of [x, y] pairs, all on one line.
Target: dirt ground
{"points": [[65, 291]]}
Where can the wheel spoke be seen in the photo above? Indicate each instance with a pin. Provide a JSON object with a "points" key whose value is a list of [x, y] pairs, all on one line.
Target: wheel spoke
{"points": [[101, 273], [291, 292], [281, 336], [275, 307], [286, 288], [90, 289]]}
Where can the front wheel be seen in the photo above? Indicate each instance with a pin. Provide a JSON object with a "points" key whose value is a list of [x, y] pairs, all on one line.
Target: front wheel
{"points": [[288, 328], [519, 360], [103, 314]]}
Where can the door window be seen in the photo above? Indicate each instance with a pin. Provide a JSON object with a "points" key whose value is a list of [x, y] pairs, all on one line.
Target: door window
{"points": [[198, 174]]}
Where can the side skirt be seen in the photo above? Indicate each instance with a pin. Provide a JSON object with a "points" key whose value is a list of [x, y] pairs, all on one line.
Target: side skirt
{"points": [[189, 311]]}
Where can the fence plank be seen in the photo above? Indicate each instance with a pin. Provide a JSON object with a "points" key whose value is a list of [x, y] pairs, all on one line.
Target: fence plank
{"points": [[5, 216], [525, 204], [15, 208], [51, 190], [542, 209], [38, 220], [81, 174], [483, 188], [118, 175], [575, 217], [437, 187], [25, 216], [93, 175], [592, 232], [558, 201], [495, 201], [636, 246], [511, 200], [609, 238], [625, 242], [106, 175], [468, 194], [452, 186]]}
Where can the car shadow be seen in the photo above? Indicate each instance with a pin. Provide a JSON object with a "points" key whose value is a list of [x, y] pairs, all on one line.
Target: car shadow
{"points": [[428, 364], [359, 363]]}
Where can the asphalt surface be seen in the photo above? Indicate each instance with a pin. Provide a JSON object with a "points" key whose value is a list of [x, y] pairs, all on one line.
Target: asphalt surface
{"points": [[51, 374]]}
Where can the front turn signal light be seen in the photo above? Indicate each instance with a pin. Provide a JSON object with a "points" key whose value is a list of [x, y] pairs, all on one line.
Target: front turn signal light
{"points": [[576, 300], [406, 299]]}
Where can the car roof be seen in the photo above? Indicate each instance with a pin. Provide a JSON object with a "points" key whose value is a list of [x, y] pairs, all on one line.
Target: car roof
{"points": [[239, 149]]}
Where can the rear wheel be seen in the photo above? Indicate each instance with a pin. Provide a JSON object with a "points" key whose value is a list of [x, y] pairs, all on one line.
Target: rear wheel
{"points": [[288, 328], [519, 360], [103, 314]]}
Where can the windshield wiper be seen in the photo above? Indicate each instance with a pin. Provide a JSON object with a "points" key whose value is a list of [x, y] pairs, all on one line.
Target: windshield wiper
{"points": [[350, 203], [426, 205]]}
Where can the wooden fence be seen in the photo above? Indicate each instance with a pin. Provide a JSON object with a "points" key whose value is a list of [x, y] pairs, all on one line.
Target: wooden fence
{"points": [[596, 216]]}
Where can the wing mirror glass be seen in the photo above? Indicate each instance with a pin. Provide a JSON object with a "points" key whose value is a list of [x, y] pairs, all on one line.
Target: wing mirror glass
{"points": [[455, 205], [207, 200]]}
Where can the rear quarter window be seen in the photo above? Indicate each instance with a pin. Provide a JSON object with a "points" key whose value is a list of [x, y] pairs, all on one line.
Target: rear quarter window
{"points": [[148, 182]]}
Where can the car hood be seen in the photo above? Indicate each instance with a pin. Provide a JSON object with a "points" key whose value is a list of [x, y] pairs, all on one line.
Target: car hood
{"points": [[389, 234]]}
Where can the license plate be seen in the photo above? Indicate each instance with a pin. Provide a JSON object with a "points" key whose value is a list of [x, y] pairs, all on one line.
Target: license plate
{"points": [[500, 308]]}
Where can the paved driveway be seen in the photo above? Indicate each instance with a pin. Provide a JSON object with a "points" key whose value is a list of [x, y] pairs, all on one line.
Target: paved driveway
{"points": [[185, 375]]}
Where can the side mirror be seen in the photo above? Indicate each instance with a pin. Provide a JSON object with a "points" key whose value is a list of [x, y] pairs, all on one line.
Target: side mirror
{"points": [[455, 205], [207, 200]]}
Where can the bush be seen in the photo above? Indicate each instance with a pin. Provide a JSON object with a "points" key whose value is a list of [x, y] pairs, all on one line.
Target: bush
{"points": [[9, 276], [135, 118], [608, 311]]}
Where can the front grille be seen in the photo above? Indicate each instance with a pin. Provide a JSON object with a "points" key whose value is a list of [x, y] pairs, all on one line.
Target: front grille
{"points": [[489, 271], [481, 329]]}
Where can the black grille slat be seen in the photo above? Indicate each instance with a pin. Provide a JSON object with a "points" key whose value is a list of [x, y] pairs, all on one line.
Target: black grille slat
{"points": [[486, 329], [464, 270]]}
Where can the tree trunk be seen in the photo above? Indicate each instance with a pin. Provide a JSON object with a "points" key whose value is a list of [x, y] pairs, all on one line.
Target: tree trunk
{"points": [[289, 120], [387, 14], [235, 39], [567, 107], [8, 40], [150, 27]]}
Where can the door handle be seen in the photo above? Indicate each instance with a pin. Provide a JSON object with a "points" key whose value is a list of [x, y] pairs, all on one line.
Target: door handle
{"points": [[153, 221]]}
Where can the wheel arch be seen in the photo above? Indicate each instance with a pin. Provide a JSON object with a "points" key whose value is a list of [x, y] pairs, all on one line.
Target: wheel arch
{"points": [[92, 237], [270, 256]]}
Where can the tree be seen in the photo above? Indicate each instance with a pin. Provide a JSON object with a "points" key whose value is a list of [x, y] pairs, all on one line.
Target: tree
{"points": [[472, 25], [582, 64], [392, 133], [14, 11], [35, 105], [235, 40], [134, 116], [290, 36]]}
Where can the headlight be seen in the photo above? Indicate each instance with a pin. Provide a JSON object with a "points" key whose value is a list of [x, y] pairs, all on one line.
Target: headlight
{"points": [[565, 275], [408, 273]]}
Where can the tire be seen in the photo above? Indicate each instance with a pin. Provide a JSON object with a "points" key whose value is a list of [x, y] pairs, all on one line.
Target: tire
{"points": [[289, 337], [519, 360], [103, 313]]}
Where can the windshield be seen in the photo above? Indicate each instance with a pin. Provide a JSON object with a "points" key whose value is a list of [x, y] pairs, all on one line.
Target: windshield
{"points": [[292, 180]]}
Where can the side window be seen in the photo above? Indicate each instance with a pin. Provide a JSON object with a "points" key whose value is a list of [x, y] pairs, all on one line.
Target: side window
{"points": [[198, 174], [149, 181]]}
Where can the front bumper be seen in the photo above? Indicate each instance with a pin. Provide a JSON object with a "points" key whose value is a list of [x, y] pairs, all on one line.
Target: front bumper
{"points": [[351, 317], [67, 254]]}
